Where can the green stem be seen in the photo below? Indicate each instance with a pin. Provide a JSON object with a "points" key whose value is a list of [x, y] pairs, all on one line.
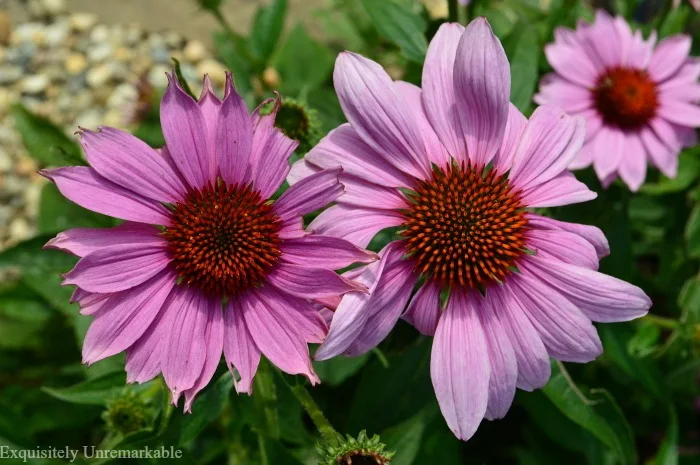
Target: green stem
{"points": [[322, 424], [453, 12], [661, 321]]}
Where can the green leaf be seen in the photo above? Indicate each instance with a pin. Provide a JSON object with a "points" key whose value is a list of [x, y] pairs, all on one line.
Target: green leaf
{"points": [[274, 453], [181, 79], [688, 171], [28, 256], [335, 371], [267, 28], [232, 51], [405, 438], [692, 232], [668, 452], [92, 392], [21, 322], [303, 63], [599, 414], [400, 26], [523, 50], [56, 213], [45, 142], [675, 20]]}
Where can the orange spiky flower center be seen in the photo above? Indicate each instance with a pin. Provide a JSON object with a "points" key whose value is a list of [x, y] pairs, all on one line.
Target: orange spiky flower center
{"points": [[223, 239], [626, 97], [466, 227]]}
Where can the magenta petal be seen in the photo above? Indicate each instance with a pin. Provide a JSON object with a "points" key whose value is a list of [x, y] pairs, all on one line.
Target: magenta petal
{"points": [[482, 91], [664, 157], [439, 91], [357, 225], [124, 317], [276, 340], [378, 114], [119, 267], [209, 105], [365, 194], [301, 169], [184, 351], [309, 194], [608, 148], [143, 357], [324, 252], [185, 132], [563, 189], [459, 366], [681, 113], [125, 160], [242, 355], [562, 245], [234, 137], [601, 297], [214, 340], [88, 189], [668, 57], [633, 168], [570, 97], [511, 139], [310, 283], [299, 315], [548, 144], [82, 241], [424, 309], [591, 233]]}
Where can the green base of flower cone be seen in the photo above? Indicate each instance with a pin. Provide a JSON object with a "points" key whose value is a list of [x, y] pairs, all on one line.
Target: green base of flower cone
{"points": [[352, 451]]}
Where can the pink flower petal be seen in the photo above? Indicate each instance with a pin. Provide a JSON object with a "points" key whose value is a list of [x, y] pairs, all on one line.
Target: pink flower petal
{"points": [[563, 189], [365, 194], [571, 97], [301, 169], [681, 113], [511, 139], [669, 56], [234, 137], [310, 283], [242, 355], [82, 241], [609, 149], [328, 252], [663, 157], [424, 309], [563, 245], [209, 104], [592, 234], [299, 315], [309, 194], [143, 357], [633, 168], [357, 225]]}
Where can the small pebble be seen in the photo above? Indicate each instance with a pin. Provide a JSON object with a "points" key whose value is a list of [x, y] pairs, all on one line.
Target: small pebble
{"points": [[99, 75], [5, 28], [75, 63], [82, 22], [194, 51], [215, 70], [35, 84]]}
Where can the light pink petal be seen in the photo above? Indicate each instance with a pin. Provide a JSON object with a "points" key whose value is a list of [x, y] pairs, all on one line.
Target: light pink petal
{"points": [[357, 225], [670, 54], [185, 132], [563, 245], [681, 113], [301, 169], [609, 149], [663, 157], [592, 234], [633, 168], [143, 357], [125, 160], [209, 105], [328, 252], [568, 61], [353, 312], [89, 302], [119, 267], [302, 317], [276, 340], [549, 143], [640, 51], [601, 297], [214, 342], [566, 332], [387, 302], [571, 97], [626, 40], [309, 194], [234, 137], [683, 91], [511, 139], [584, 158], [438, 88], [377, 112], [88, 189], [365, 194], [605, 39], [343, 147], [594, 122], [459, 366], [687, 76], [482, 91], [184, 351], [82, 241], [242, 355], [673, 135], [424, 309], [310, 283], [501, 356], [435, 151], [530, 353], [563, 189], [124, 317]]}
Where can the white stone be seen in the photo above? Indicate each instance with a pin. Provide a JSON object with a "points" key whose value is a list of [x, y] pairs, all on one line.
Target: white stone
{"points": [[75, 63], [215, 70], [35, 84], [99, 52], [90, 118], [99, 34], [82, 22], [195, 51], [28, 32], [157, 78], [20, 229], [54, 7], [5, 161], [122, 94], [99, 75], [56, 34]]}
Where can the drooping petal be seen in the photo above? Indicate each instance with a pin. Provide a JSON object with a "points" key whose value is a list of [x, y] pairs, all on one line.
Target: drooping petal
{"points": [[125, 316], [88, 189], [438, 88], [234, 137], [601, 297], [668, 57], [310, 283], [591, 233], [328, 252], [424, 309], [378, 114], [633, 168], [185, 133], [242, 355], [459, 366], [278, 342], [143, 361], [563, 245], [209, 104], [309, 194], [300, 316], [119, 267], [82, 241], [129, 162], [664, 157], [301, 169], [608, 147], [357, 225], [563, 189], [482, 91], [214, 342]]}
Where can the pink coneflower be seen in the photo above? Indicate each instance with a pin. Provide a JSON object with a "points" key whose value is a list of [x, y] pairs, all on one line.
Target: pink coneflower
{"points": [[457, 169], [639, 101], [157, 292]]}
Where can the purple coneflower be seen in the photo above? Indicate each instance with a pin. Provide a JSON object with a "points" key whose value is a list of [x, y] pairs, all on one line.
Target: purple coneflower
{"points": [[639, 99], [204, 263], [458, 169]]}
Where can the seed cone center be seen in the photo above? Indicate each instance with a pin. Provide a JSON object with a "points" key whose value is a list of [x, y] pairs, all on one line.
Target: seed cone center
{"points": [[223, 239], [626, 98], [465, 227]]}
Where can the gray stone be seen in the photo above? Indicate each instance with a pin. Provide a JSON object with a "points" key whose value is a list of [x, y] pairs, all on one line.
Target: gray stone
{"points": [[9, 74]]}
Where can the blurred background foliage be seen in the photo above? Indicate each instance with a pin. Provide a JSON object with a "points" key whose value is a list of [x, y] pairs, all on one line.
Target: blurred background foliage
{"points": [[639, 403]]}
